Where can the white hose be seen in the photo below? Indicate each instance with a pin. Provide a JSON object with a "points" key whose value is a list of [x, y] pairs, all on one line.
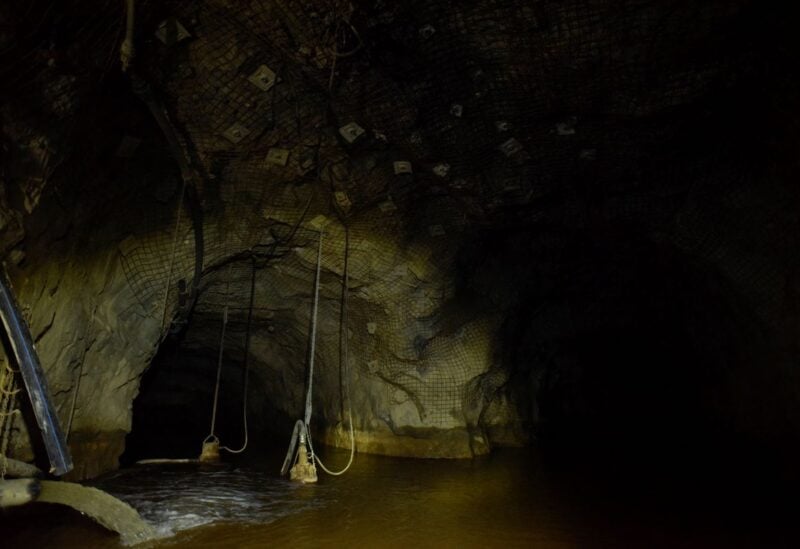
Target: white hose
{"points": [[345, 364], [313, 333], [304, 427], [246, 364]]}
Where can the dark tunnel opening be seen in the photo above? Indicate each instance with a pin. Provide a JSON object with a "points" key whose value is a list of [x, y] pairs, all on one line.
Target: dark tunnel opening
{"points": [[153, 434], [173, 411], [641, 355], [206, 379]]}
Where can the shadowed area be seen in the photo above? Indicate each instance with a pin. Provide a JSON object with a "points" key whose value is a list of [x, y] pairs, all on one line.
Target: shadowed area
{"points": [[563, 231]]}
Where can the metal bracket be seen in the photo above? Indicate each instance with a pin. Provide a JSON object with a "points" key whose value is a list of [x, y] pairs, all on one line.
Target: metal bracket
{"points": [[278, 156], [350, 132], [170, 31], [402, 166], [236, 133], [263, 78]]}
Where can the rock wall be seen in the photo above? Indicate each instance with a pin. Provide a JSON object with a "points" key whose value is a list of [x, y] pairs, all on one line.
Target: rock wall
{"points": [[526, 199]]}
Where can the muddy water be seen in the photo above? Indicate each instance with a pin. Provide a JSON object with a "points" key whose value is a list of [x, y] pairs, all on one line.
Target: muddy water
{"points": [[513, 498]]}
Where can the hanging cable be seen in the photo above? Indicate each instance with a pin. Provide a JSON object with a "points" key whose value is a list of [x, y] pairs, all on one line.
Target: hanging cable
{"points": [[344, 363], [336, 54], [246, 357], [302, 431], [211, 442], [143, 89], [304, 468], [313, 345], [172, 256], [212, 430], [76, 388]]}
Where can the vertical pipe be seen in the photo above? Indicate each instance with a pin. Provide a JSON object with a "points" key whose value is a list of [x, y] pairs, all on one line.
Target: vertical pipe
{"points": [[313, 333], [32, 374], [219, 372]]}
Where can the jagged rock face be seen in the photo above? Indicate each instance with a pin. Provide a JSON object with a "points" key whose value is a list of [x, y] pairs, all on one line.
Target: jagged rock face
{"points": [[410, 359], [586, 201]]}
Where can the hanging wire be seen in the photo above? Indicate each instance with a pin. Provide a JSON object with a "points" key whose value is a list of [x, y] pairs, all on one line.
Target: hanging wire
{"points": [[172, 256], [344, 363], [77, 386], [313, 346], [246, 358], [212, 430]]}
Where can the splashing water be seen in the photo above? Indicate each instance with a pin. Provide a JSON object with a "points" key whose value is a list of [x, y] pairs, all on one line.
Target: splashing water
{"points": [[177, 498]]}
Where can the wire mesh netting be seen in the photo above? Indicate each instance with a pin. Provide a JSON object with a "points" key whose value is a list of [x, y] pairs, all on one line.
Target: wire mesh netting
{"points": [[291, 110]]}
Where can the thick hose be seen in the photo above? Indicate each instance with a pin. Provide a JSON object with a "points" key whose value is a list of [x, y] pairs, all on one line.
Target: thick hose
{"points": [[301, 426], [313, 334], [19, 337], [219, 373], [246, 362], [345, 365]]}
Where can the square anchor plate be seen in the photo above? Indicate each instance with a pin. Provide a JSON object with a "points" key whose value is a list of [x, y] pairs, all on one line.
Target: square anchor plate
{"points": [[403, 166], [436, 230], [387, 206], [263, 78], [236, 133], [278, 156], [510, 147], [342, 200], [351, 132], [170, 31]]}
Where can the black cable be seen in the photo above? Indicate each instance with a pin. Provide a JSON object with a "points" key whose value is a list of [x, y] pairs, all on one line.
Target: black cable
{"points": [[249, 316]]}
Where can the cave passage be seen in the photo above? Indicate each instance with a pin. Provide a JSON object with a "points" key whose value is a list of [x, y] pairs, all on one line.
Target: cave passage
{"points": [[631, 355], [541, 255], [632, 352], [210, 349], [172, 414]]}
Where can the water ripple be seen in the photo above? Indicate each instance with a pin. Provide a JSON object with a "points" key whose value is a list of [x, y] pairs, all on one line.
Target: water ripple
{"points": [[174, 498]]}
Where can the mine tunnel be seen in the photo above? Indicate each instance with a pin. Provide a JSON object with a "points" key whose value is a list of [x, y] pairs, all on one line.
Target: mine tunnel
{"points": [[331, 273]]}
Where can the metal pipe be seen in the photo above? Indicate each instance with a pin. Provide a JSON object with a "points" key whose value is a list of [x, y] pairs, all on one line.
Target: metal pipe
{"points": [[32, 374], [313, 345], [126, 49]]}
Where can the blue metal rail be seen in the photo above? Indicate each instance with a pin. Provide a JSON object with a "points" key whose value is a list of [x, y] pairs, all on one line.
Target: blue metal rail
{"points": [[19, 337]]}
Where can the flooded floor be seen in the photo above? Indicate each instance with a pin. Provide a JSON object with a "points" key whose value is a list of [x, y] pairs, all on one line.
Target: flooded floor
{"points": [[513, 498]]}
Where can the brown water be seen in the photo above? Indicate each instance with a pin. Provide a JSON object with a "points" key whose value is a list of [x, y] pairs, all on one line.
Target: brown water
{"points": [[514, 498]]}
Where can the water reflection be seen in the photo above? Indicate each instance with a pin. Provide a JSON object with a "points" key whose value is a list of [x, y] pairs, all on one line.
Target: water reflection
{"points": [[508, 499]]}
